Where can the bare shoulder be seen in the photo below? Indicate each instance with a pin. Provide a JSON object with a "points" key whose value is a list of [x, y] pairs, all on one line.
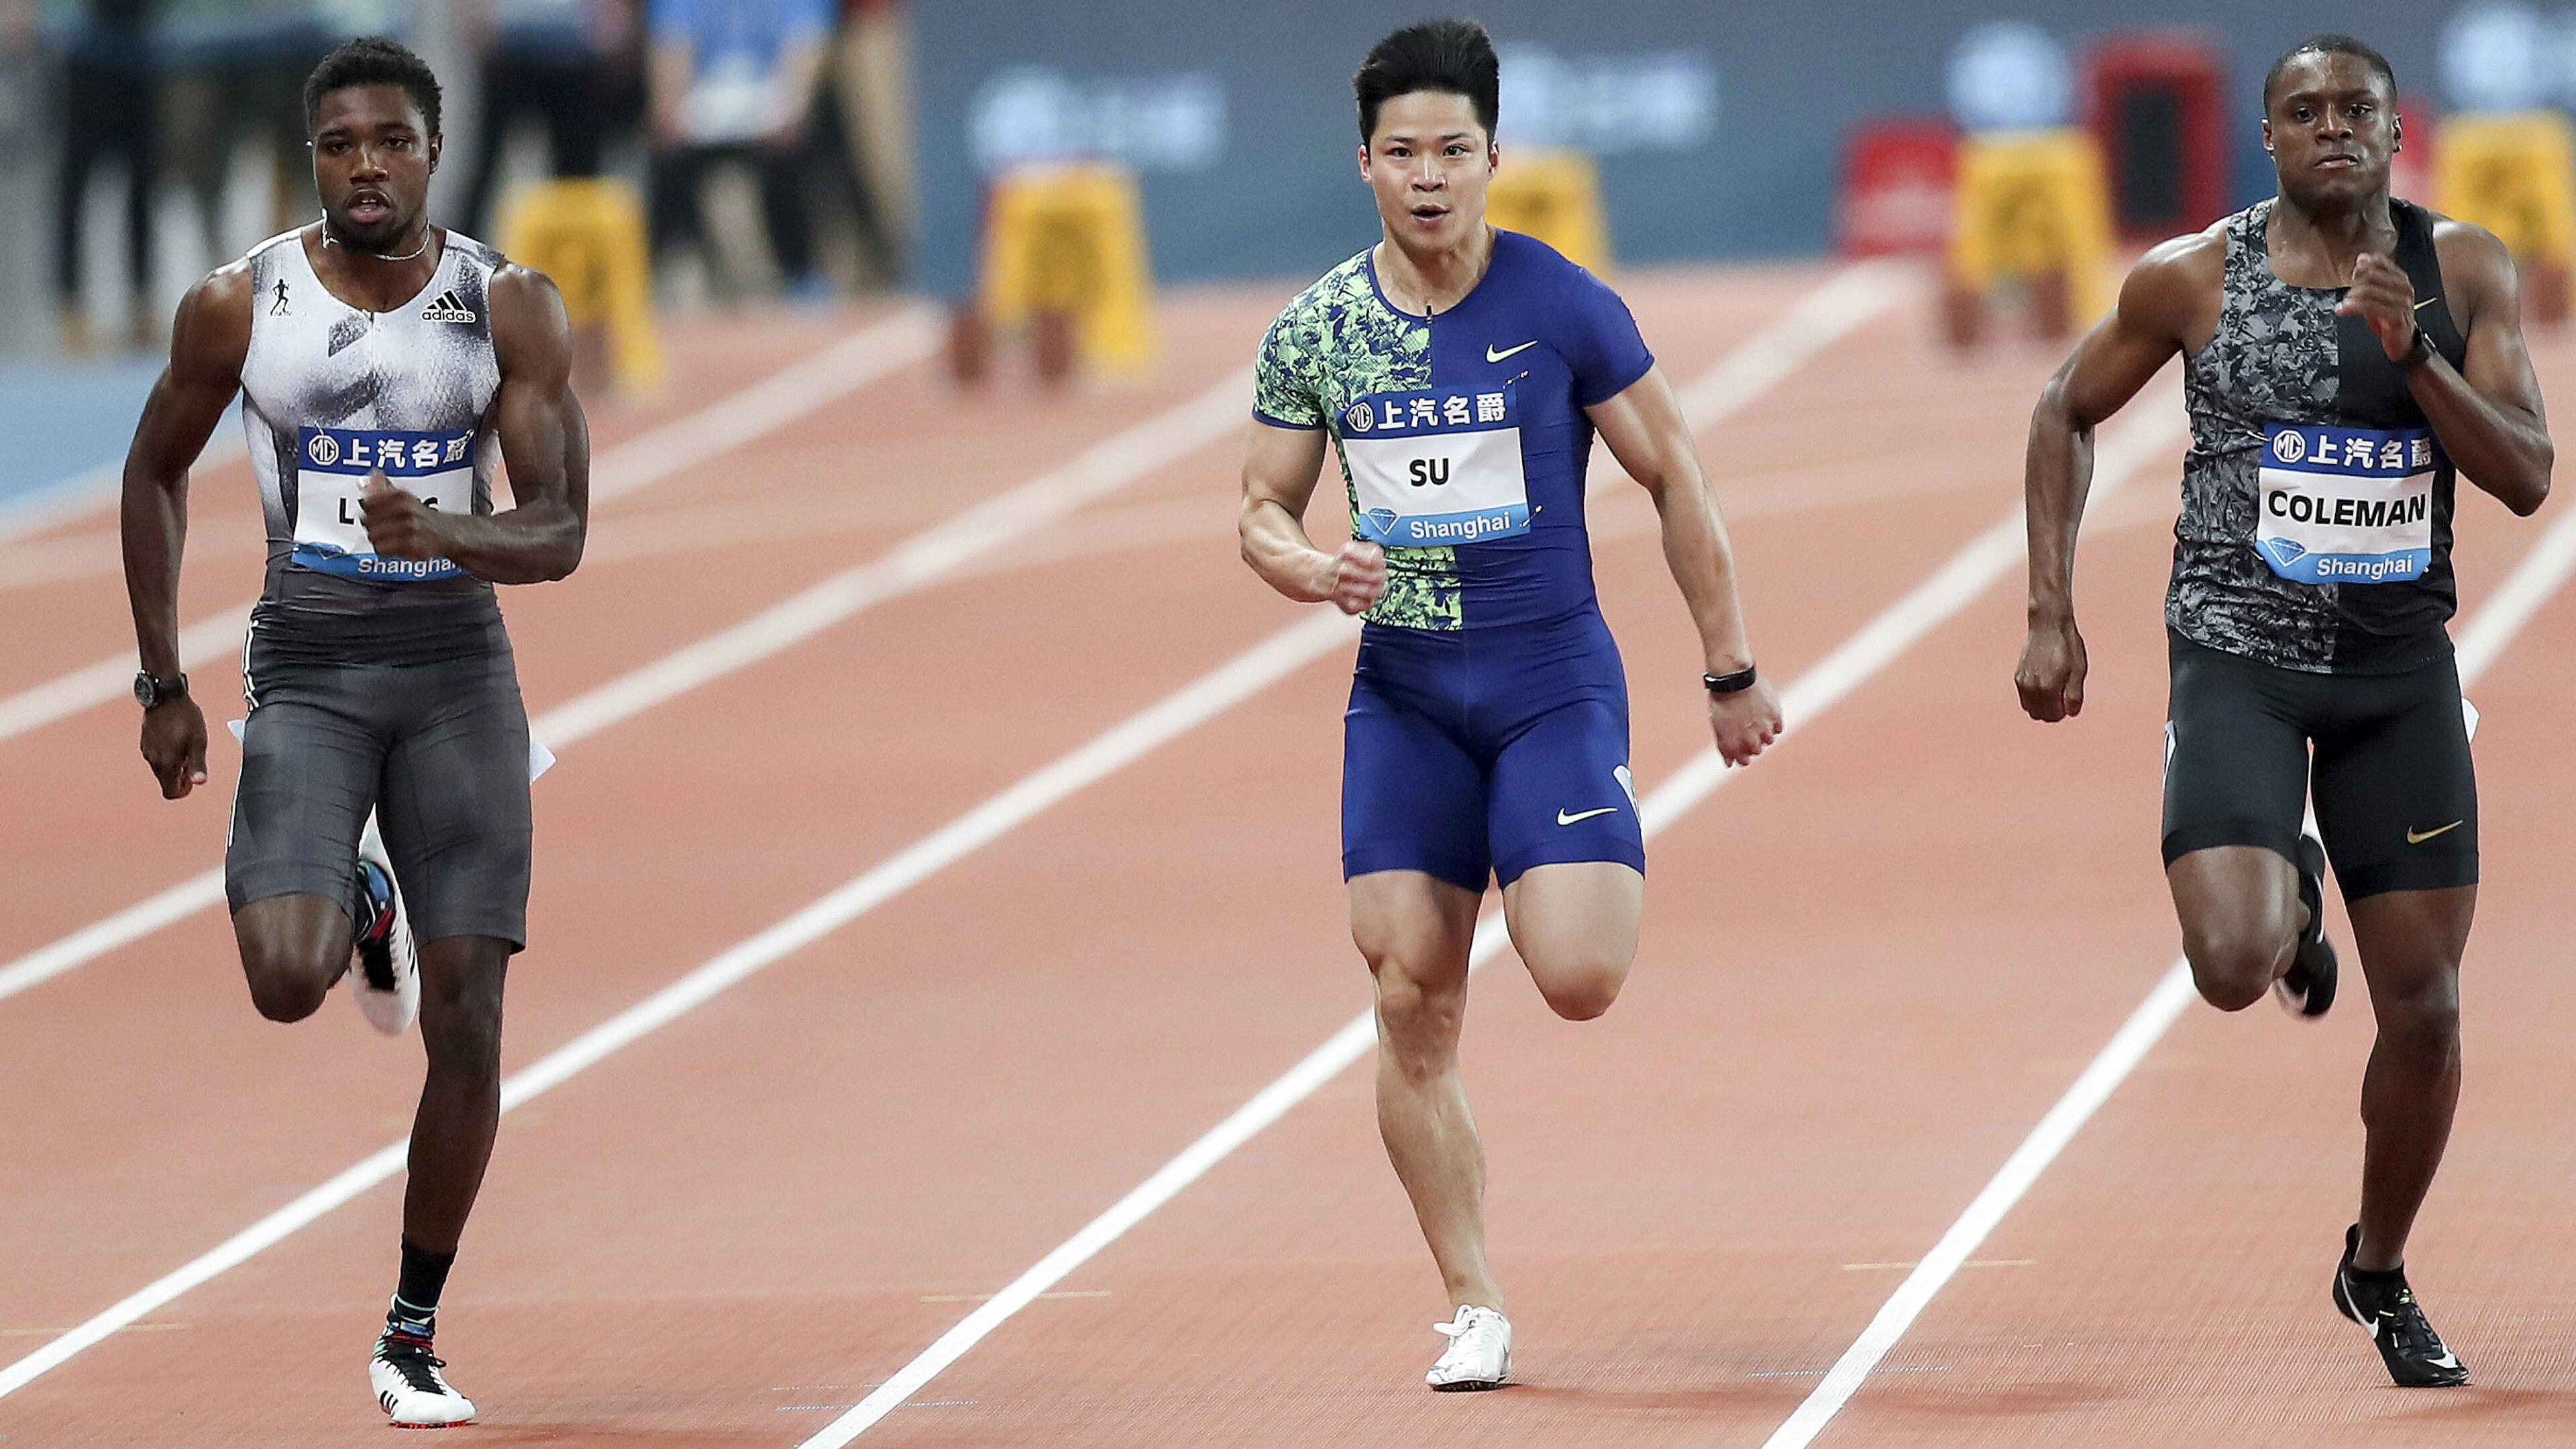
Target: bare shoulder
{"points": [[529, 328], [2197, 261], [212, 330], [2477, 270], [2173, 291], [225, 289], [523, 295], [2467, 246]]}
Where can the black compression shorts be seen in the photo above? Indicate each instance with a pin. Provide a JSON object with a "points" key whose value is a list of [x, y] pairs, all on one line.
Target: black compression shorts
{"points": [[2397, 801]]}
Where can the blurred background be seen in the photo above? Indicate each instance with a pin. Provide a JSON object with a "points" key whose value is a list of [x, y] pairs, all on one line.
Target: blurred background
{"points": [[1041, 171]]}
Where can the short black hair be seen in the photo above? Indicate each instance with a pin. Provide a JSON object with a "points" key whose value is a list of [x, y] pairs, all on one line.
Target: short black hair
{"points": [[2330, 43], [372, 60], [1452, 55]]}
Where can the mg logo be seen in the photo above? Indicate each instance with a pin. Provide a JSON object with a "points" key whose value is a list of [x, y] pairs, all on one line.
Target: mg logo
{"points": [[1358, 418], [2289, 446], [326, 450]]}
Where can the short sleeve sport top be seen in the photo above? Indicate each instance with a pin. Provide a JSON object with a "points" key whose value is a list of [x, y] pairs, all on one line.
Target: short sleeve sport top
{"points": [[1462, 437]]}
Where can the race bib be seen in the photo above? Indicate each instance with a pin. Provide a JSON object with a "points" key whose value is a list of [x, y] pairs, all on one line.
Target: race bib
{"points": [[2346, 505], [332, 465], [1436, 467]]}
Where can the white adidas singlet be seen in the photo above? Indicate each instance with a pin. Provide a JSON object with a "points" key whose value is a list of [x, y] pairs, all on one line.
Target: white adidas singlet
{"points": [[331, 393]]}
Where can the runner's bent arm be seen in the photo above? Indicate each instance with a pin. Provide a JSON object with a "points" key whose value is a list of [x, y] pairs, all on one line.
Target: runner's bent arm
{"points": [[545, 442], [2159, 305], [1645, 430], [1280, 466], [2487, 414], [208, 341]]}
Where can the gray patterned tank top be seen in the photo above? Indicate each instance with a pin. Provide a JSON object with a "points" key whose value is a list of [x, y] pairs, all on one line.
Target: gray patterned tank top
{"points": [[2282, 356]]}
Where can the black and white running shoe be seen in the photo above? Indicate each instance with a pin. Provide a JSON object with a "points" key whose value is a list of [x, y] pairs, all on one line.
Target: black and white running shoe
{"points": [[2308, 987], [384, 976], [408, 1384], [2383, 1304]]}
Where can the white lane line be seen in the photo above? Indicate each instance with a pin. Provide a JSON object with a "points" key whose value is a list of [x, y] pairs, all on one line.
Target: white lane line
{"points": [[790, 393], [86, 493], [2541, 573], [1183, 710], [2144, 437], [925, 558]]}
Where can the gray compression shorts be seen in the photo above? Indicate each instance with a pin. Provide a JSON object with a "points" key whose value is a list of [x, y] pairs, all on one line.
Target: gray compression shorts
{"points": [[439, 750]]}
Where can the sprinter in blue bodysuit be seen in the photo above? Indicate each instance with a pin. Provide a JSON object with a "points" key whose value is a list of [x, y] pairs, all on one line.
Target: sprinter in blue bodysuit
{"points": [[1462, 373]]}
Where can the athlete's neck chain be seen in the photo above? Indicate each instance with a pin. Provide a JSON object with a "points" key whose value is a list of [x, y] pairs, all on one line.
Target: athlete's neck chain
{"points": [[328, 240]]}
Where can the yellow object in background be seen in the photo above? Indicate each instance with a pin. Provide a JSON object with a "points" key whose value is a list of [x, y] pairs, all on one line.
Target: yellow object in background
{"points": [[2514, 173], [588, 235], [1556, 197], [1069, 240], [2030, 204]]}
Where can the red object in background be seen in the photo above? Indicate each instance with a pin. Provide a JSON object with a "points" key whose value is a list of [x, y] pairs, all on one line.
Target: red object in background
{"points": [[2153, 99], [1897, 183], [2410, 171]]}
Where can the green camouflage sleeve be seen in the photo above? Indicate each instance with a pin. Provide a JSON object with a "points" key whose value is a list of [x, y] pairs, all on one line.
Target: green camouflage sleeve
{"points": [[1283, 388]]}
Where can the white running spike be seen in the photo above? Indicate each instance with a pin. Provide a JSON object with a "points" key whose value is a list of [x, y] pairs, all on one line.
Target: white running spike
{"points": [[414, 1394], [389, 1009], [1479, 1355]]}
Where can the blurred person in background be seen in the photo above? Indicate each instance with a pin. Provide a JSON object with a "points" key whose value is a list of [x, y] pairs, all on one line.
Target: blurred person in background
{"points": [[556, 61], [236, 73], [111, 107], [734, 80], [864, 133]]}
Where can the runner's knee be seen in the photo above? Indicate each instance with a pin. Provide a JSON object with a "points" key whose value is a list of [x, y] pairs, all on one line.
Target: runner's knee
{"points": [[1579, 989], [460, 1016], [286, 984], [2423, 1024], [2233, 966], [1419, 1013]]}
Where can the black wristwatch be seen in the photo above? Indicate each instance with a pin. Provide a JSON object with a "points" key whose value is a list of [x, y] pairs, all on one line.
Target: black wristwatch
{"points": [[1736, 683], [151, 689], [2418, 352]]}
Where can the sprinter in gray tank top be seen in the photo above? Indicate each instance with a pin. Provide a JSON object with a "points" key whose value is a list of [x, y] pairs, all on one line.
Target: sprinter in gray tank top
{"points": [[2346, 358], [387, 369]]}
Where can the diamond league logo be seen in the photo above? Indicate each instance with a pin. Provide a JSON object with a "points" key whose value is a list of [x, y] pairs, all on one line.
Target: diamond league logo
{"points": [[1358, 418], [2289, 446], [326, 450]]}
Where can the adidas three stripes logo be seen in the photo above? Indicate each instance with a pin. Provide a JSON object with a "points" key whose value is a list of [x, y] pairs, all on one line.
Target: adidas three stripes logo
{"points": [[447, 309]]}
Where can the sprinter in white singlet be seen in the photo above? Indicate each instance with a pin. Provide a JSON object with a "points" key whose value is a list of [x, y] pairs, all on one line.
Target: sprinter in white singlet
{"points": [[387, 370]]}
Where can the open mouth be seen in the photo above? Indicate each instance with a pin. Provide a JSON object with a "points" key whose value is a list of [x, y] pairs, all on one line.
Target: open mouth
{"points": [[1429, 215], [2338, 162], [367, 208]]}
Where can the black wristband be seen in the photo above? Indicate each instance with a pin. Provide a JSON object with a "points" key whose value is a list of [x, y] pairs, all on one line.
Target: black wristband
{"points": [[2418, 352], [1736, 683]]}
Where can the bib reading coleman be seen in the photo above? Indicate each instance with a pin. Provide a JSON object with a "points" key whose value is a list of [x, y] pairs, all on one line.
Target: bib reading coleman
{"points": [[2316, 522]]}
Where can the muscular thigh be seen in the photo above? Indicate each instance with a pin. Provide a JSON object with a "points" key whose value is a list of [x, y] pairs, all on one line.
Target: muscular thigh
{"points": [[455, 806]]}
